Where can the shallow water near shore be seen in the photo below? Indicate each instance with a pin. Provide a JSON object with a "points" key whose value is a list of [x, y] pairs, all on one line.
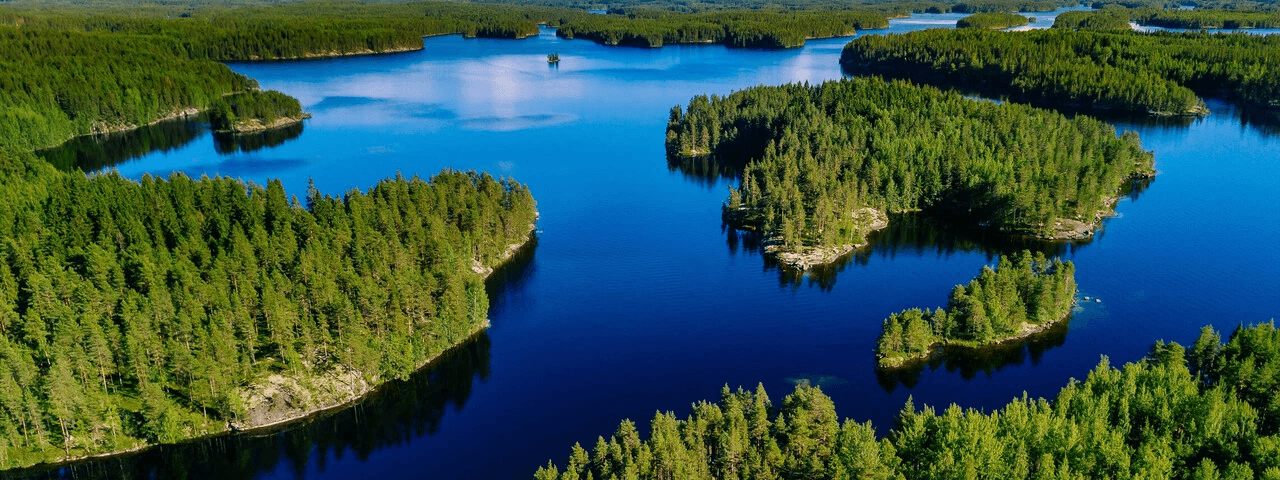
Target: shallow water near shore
{"points": [[635, 299]]}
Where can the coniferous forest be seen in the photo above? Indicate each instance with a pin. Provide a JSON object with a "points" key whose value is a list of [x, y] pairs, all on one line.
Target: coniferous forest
{"points": [[1157, 73], [813, 155], [1207, 413], [142, 312], [992, 21], [1022, 295], [151, 311]]}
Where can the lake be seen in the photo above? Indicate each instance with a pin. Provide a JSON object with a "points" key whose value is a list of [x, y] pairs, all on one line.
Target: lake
{"points": [[635, 299]]}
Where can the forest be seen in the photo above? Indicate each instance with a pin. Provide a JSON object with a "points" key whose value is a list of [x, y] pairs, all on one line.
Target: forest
{"points": [[992, 21], [813, 155], [253, 110], [137, 313], [741, 29], [1207, 413], [1196, 19], [1151, 73], [56, 85], [1024, 293]]}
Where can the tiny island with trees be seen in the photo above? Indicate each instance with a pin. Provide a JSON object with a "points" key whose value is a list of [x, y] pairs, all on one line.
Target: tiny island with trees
{"points": [[992, 21], [1023, 295], [823, 164], [255, 111]]}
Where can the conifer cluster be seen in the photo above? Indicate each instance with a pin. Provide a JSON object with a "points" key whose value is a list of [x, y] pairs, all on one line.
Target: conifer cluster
{"points": [[1204, 414], [1023, 290]]}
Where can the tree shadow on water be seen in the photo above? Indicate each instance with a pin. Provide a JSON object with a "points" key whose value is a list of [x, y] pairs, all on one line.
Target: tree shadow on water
{"points": [[397, 413], [971, 361]]}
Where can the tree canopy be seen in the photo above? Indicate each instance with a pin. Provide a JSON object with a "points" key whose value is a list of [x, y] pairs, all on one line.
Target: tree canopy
{"points": [[1155, 73], [813, 155], [1160, 417]]}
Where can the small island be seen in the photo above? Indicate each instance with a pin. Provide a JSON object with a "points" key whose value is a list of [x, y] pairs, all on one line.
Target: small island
{"points": [[1023, 295], [255, 111], [992, 21], [553, 59]]}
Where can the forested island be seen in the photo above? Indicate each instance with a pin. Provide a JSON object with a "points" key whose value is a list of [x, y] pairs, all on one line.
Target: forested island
{"points": [[992, 21], [1023, 295], [741, 29], [1150, 73], [1206, 413], [823, 163], [255, 111]]}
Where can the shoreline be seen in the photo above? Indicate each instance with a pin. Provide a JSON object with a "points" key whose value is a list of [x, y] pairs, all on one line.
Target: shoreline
{"points": [[254, 125], [805, 257], [230, 428], [1026, 330]]}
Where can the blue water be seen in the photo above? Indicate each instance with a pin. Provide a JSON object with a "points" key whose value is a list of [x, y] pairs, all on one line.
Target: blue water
{"points": [[634, 299]]}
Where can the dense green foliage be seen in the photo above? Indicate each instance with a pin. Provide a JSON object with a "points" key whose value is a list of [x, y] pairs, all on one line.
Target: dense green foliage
{"points": [[992, 21], [295, 30], [1136, 72], [267, 107], [746, 29], [1154, 418], [815, 154], [998, 304], [1105, 20], [1207, 18], [139, 311], [1119, 18], [56, 85]]}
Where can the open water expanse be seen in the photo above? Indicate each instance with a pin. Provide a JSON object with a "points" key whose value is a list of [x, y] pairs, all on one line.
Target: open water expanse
{"points": [[634, 299]]}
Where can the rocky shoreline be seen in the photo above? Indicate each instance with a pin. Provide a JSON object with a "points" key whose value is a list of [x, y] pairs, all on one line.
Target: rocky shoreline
{"points": [[254, 125], [805, 257], [280, 400]]}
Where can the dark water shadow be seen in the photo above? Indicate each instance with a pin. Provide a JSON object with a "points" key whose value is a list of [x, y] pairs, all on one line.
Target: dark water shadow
{"points": [[230, 143], [917, 234], [397, 413], [95, 152], [705, 171], [971, 361]]}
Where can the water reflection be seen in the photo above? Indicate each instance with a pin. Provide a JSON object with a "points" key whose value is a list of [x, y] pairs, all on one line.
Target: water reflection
{"points": [[970, 361], [917, 234], [229, 143], [95, 152], [397, 413]]}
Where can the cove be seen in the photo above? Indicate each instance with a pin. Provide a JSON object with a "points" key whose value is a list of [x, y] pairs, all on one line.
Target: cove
{"points": [[635, 298]]}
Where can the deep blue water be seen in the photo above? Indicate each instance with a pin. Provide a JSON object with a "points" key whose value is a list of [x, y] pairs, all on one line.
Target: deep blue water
{"points": [[634, 299]]}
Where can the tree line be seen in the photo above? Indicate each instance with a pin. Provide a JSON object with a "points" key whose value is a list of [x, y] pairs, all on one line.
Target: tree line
{"points": [[1023, 290], [992, 21], [735, 28], [55, 85], [136, 313], [1156, 73], [1204, 414], [813, 155]]}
